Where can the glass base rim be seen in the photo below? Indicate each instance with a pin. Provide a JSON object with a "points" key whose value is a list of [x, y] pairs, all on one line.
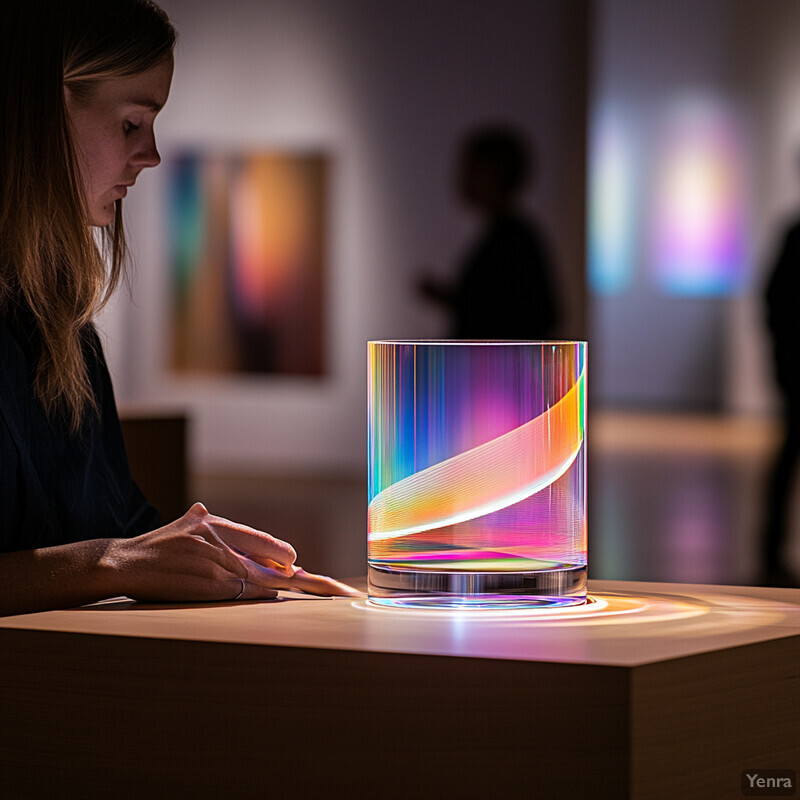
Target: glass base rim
{"points": [[403, 588]]}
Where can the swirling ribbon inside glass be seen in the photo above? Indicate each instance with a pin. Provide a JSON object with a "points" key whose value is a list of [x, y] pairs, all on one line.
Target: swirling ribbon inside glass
{"points": [[485, 479]]}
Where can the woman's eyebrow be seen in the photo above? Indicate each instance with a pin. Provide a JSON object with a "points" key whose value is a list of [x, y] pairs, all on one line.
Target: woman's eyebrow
{"points": [[146, 103]]}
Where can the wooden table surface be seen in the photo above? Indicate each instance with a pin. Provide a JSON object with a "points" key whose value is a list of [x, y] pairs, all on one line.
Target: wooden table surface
{"points": [[651, 691], [630, 624]]}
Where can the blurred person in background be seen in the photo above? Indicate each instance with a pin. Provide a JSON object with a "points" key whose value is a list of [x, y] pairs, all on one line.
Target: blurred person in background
{"points": [[504, 286], [783, 321]]}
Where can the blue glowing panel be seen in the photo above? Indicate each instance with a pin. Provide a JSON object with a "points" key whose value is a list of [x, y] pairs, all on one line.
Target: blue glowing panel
{"points": [[612, 206]]}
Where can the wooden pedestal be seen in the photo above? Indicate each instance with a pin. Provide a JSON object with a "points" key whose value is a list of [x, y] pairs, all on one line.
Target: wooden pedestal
{"points": [[655, 691]]}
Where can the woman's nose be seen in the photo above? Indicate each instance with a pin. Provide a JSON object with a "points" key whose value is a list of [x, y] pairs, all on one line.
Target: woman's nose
{"points": [[147, 155]]}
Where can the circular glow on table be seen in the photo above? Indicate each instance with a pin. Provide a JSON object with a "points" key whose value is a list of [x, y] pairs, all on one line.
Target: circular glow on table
{"points": [[599, 608]]}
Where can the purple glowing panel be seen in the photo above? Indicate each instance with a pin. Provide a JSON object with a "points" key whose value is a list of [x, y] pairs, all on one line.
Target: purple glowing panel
{"points": [[700, 215]]}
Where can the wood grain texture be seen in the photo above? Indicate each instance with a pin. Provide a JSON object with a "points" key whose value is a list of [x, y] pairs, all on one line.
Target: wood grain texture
{"points": [[698, 722], [156, 718], [319, 698]]}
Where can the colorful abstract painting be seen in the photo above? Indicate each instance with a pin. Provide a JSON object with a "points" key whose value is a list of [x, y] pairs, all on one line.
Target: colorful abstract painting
{"points": [[247, 251]]}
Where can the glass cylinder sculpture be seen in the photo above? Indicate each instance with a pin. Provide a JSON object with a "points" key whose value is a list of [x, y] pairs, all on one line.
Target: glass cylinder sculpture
{"points": [[477, 474]]}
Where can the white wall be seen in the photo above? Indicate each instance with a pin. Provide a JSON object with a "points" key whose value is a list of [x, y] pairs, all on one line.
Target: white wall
{"points": [[654, 349], [386, 88], [708, 353]]}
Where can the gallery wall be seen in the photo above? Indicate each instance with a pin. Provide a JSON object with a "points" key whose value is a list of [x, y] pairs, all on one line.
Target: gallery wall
{"points": [[386, 90], [694, 131]]}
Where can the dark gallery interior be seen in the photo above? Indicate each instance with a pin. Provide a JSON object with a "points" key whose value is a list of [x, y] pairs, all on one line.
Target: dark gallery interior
{"points": [[619, 98]]}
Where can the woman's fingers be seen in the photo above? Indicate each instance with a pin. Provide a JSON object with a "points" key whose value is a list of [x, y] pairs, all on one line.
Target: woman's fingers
{"points": [[220, 553], [267, 575], [249, 590], [218, 534], [200, 557], [320, 584], [302, 581], [252, 542]]}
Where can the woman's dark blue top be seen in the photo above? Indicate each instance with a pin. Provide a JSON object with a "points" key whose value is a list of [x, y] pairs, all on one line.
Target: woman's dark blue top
{"points": [[57, 487]]}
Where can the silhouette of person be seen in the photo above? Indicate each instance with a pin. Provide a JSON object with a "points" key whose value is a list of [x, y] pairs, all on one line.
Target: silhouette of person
{"points": [[783, 320], [503, 289]]}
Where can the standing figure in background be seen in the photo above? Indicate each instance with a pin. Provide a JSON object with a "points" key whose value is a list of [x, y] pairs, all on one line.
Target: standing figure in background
{"points": [[504, 287], [783, 321]]}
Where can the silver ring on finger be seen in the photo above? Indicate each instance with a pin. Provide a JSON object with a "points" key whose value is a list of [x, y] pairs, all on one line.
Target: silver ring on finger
{"points": [[241, 591]]}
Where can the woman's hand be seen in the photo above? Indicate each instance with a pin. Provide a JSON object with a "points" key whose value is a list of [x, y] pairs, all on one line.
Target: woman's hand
{"points": [[201, 558]]}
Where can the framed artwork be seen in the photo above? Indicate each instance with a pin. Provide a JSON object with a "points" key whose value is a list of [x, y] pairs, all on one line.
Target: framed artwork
{"points": [[247, 251]]}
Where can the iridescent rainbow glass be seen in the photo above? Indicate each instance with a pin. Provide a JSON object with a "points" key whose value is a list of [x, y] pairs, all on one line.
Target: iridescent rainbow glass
{"points": [[477, 473]]}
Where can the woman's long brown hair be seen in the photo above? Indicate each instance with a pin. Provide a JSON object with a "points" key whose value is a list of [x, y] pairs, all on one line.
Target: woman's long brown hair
{"points": [[51, 266]]}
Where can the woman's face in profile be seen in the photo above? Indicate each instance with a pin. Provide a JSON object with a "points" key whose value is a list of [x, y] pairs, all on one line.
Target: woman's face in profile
{"points": [[113, 135]]}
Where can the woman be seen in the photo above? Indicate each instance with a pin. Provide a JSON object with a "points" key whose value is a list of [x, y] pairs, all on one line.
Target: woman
{"points": [[83, 81]]}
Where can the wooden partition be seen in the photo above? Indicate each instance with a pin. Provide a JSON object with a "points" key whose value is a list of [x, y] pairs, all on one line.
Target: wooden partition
{"points": [[156, 445]]}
